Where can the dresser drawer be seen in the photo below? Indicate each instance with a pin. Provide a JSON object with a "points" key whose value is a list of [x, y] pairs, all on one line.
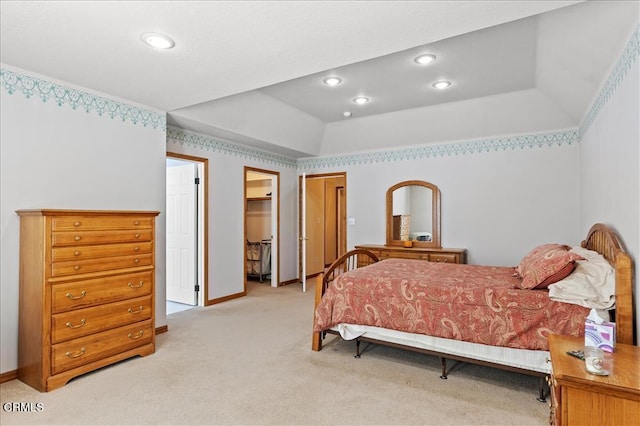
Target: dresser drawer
{"points": [[79, 223], [99, 237], [107, 250], [404, 255], [82, 322], [81, 294], [60, 269], [79, 352], [444, 257]]}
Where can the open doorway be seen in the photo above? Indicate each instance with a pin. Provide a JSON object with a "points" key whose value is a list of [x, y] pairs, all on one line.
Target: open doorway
{"points": [[261, 226], [323, 214], [186, 230]]}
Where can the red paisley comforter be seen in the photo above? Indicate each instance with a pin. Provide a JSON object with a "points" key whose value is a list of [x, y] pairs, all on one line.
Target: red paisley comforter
{"points": [[474, 303]]}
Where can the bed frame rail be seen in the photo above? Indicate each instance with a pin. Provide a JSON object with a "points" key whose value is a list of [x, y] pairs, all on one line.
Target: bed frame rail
{"points": [[347, 262]]}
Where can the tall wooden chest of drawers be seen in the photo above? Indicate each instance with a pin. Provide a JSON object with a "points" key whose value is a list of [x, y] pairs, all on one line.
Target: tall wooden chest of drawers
{"points": [[87, 296]]}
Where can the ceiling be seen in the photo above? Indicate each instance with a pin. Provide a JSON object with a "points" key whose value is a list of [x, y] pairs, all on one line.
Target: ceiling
{"points": [[251, 71]]}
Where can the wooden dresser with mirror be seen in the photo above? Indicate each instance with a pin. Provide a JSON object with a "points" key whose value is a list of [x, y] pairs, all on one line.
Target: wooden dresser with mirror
{"points": [[413, 225]]}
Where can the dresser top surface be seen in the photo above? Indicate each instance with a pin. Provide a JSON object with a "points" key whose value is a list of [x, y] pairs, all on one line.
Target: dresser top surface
{"points": [[69, 212], [416, 249]]}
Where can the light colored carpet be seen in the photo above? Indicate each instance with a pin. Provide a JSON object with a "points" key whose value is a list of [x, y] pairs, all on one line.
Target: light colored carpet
{"points": [[249, 362]]}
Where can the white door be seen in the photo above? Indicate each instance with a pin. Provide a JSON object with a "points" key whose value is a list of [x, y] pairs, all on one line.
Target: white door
{"points": [[303, 231], [181, 233], [275, 197]]}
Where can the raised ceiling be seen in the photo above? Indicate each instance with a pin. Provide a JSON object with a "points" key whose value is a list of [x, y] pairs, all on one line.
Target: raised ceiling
{"points": [[251, 72]]}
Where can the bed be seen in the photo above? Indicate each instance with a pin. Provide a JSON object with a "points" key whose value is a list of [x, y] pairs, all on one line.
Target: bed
{"points": [[448, 311]]}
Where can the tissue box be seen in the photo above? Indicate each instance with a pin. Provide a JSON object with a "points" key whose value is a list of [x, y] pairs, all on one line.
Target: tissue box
{"points": [[601, 336]]}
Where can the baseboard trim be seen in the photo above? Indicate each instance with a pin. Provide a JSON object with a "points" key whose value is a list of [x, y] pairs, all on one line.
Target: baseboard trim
{"points": [[8, 376], [293, 281], [162, 329], [225, 298]]}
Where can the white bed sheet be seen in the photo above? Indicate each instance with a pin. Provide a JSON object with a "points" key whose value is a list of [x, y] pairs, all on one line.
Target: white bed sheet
{"points": [[519, 358]]}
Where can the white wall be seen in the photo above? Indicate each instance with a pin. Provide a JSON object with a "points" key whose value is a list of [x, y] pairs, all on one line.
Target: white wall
{"points": [[497, 204], [226, 207], [610, 160], [58, 157]]}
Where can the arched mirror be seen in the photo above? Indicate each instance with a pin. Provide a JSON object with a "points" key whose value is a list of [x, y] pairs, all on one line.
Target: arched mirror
{"points": [[413, 214]]}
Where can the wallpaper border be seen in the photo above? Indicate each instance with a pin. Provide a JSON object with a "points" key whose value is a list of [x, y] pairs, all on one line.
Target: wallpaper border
{"points": [[566, 137], [629, 56], [208, 143], [15, 82]]}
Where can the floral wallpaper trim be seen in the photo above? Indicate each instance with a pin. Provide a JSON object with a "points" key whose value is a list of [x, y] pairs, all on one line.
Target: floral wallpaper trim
{"points": [[627, 59], [208, 143], [29, 86], [485, 145]]}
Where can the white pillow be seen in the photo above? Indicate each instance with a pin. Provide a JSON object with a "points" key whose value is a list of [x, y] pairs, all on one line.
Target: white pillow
{"points": [[592, 284]]}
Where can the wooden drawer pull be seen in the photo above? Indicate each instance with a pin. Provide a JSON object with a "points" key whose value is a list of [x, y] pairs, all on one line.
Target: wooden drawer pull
{"points": [[72, 297], [136, 249], [76, 253], [136, 336], [77, 354], [136, 286], [76, 224], [136, 235], [136, 260], [136, 222], [77, 267], [82, 321], [140, 309], [77, 238]]}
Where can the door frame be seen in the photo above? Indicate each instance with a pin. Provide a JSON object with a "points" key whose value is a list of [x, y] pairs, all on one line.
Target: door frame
{"points": [[343, 220], [275, 208], [203, 225]]}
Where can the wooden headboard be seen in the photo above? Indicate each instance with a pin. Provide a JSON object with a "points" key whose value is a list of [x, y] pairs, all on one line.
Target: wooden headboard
{"points": [[605, 240]]}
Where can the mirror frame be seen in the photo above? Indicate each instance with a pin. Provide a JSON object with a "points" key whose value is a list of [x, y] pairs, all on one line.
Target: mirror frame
{"points": [[435, 215]]}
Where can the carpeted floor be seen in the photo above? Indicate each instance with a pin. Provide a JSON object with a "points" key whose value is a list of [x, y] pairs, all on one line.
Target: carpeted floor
{"points": [[249, 362]]}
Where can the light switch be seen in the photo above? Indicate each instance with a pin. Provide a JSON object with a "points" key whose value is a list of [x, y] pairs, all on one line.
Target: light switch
{"points": [[351, 221]]}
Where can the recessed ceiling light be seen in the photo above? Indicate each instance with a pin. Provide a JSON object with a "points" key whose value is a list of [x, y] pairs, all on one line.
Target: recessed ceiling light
{"points": [[157, 40], [347, 114], [443, 84], [361, 100], [332, 81], [425, 59]]}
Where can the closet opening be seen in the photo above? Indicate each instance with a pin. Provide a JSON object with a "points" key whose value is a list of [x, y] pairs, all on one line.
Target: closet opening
{"points": [[261, 227], [186, 230]]}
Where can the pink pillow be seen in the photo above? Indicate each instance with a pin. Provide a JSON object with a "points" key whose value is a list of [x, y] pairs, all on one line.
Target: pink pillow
{"points": [[560, 275], [545, 265]]}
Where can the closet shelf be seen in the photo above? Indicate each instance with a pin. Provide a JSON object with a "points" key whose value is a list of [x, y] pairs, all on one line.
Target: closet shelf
{"points": [[258, 198]]}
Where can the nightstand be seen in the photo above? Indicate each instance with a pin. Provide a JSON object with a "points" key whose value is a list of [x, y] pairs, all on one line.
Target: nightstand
{"points": [[581, 398]]}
